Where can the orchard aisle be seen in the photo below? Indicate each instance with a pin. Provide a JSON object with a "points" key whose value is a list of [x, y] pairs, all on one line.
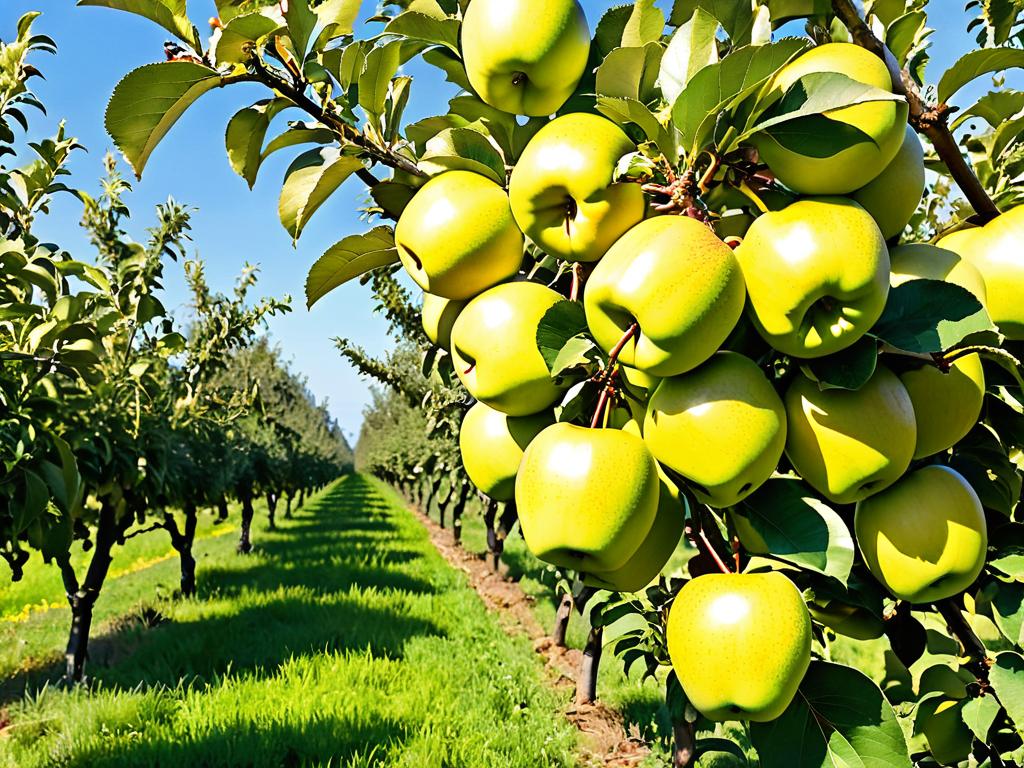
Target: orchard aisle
{"points": [[344, 640]]}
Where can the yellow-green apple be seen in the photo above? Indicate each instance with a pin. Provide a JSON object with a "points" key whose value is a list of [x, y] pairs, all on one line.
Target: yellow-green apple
{"points": [[924, 538], [892, 196], [563, 190], [644, 566], [457, 236], [721, 426], [492, 445], [820, 167], [817, 273], [674, 278], [740, 644], [995, 250], [494, 348], [946, 404], [438, 316], [525, 56], [587, 498], [849, 444]]}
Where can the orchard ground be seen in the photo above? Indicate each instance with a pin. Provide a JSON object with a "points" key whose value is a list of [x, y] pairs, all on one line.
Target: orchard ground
{"points": [[345, 639]]}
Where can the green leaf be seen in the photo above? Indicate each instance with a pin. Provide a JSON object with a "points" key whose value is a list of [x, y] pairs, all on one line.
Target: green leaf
{"points": [[562, 323], [419, 26], [692, 48], [348, 259], [302, 24], [1007, 678], [983, 462], [849, 369], [299, 133], [799, 528], [169, 14], [246, 133], [463, 149], [645, 25], [630, 73], [240, 36], [994, 108], [1008, 609], [979, 714], [578, 352], [1010, 565], [149, 101], [450, 64], [784, 10], [309, 181], [338, 16], [838, 719], [610, 28], [928, 316], [381, 65], [735, 16], [975, 64], [903, 32], [627, 111]]}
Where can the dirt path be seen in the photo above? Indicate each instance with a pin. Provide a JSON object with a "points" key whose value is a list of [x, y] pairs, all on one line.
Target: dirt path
{"points": [[604, 741]]}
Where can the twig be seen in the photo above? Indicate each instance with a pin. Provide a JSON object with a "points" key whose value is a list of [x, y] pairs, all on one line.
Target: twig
{"points": [[979, 661]]}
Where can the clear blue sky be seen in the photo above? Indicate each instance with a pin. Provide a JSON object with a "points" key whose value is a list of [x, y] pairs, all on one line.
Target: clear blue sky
{"points": [[98, 46]]}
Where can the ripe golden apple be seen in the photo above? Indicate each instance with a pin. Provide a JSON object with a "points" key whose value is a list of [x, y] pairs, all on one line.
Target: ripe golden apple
{"points": [[492, 445], [438, 316], [457, 236], [892, 197], [924, 538]]}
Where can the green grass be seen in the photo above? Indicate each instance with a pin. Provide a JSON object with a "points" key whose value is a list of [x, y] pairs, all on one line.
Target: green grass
{"points": [[345, 640]]}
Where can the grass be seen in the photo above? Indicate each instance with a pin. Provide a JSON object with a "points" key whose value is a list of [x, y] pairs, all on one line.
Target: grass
{"points": [[344, 641]]}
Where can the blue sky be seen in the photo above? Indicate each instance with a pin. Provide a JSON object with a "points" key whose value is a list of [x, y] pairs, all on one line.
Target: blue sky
{"points": [[232, 225]]}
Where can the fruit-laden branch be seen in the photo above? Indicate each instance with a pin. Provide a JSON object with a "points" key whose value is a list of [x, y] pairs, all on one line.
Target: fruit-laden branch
{"points": [[347, 133], [930, 121]]}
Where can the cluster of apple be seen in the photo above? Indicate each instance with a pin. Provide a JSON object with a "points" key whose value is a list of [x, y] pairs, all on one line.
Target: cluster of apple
{"points": [[664, 300]]}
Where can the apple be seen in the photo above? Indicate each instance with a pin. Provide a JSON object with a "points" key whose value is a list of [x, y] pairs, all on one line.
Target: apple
{"points": [[822, 167], [525, 57], [492, 445], [995, 250], [721, 426], [817, 273], [892, 197], [457, 236], [438, 316], [679, 282], [920, 261], [740, 644], [494, 348], [587, 498], [563, 190], [652, 556], [849, 444], [924, 538]]}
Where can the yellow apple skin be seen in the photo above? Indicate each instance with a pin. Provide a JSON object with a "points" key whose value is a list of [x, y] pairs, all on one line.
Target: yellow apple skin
{"points": [[849, 620], [525, 56], [492, 446], [563, 192], [494, 348], [817, 274], [439, 316], [848, 169], [995, 250], [892, 197], [740, 644], [721, 426], [924, 538], [674, 277], [587, 498], [457, 236], [644, 566], [850, 444], [920, 261]]}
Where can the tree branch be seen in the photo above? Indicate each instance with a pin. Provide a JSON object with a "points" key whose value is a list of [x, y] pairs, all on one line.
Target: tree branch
{"points": [[979, 661]]}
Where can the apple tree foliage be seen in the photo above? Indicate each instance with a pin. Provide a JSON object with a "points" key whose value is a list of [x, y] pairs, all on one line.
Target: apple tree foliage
{"points": [[688, 84]]}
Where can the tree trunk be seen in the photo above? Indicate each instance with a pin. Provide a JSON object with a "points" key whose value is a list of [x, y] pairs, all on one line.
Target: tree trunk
{"points": [[245, 539], [188, 560], [83, 597], [271, 509], [586, 684], [222, 509], [684, 749], [302, 497], [494, 544], [562, 620], [460, 507], [288, 505]]}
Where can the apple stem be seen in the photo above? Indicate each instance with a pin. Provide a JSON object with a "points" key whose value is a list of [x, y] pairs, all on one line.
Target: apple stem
{"points": [[602, 402], [608, 377], [932, 121], [736, 552], [702, 538]]}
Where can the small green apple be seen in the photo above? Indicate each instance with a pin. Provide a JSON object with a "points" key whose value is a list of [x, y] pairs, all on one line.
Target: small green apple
{"points": [[587, 498], [924, 538], [996, 251], [563, 190], [457, 236], [849, 444], [438, 316], [740, 644], [810, 168], [525, 56], [679, 282], [817, 273], [492, 445], [892, 197], [494, 348], [721, 426], [644, 566]]}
